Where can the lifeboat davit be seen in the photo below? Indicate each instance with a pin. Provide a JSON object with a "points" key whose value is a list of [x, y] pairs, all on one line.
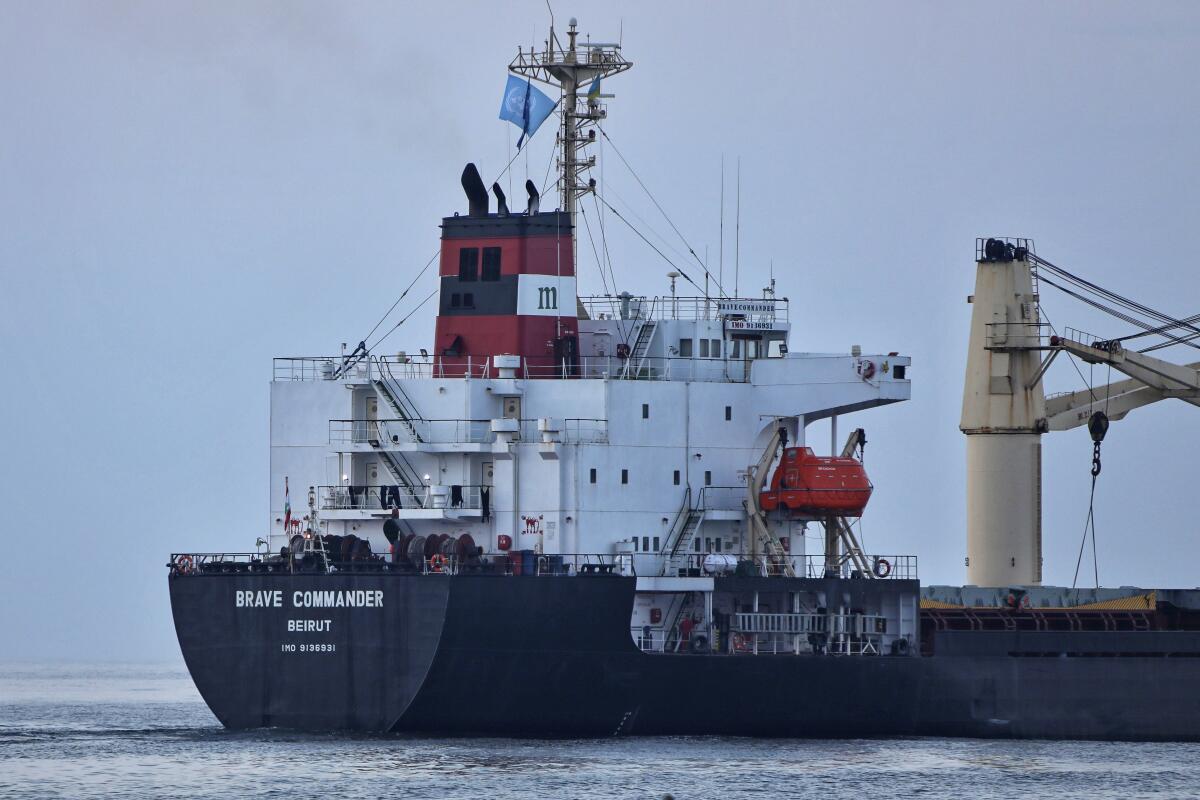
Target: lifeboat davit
{"points": [[808, 484]]}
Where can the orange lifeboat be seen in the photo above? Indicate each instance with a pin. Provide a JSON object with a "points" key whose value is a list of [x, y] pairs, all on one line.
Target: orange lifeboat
{"points": [[807, 484]]}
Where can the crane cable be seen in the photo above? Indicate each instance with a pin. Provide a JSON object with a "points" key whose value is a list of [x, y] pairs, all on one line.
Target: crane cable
{"points": [[1097, 427]]}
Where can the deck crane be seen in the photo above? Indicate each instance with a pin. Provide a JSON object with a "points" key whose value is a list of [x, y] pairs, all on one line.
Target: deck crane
{"points": [[1005, 410], [760, 529]]}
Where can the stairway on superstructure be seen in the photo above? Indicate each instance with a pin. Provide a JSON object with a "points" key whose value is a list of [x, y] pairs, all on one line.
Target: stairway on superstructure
{"points": [[388, 388], [633, 367], [683, 529]]}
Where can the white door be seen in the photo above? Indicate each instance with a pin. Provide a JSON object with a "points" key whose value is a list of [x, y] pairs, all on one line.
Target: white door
{"points": [[372, 410]]}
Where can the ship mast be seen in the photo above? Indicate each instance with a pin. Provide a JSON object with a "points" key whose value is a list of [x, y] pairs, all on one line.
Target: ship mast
{"points": [[572, 69]]}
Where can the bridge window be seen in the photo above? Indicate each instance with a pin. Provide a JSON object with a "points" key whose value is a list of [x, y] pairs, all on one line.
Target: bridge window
{"points": [[704, 348], [468, 263], [685, 348], [714, 349], [898, 372], [735, 348], [491, 263]]}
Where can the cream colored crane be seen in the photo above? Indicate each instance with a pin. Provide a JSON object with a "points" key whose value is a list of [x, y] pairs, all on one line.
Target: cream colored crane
{"points": [[1005, 411]]}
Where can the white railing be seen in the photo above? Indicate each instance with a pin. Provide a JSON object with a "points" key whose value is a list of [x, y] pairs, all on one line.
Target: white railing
{"points": [[767, 566], [690, 308], [384, 432], [569, 431], [837, 634], [707, 370], [373, 498], [392, 431]]}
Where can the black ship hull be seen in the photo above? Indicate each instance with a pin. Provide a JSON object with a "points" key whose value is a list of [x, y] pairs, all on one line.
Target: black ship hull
{"points": [[553, 656]]}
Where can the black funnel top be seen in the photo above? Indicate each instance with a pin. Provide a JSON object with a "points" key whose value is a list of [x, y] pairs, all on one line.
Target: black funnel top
{"points": [[534, 197], [501, 201], [477, 196]]}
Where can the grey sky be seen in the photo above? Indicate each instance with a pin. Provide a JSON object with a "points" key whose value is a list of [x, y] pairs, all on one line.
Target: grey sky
{"points": [[188, 189]]}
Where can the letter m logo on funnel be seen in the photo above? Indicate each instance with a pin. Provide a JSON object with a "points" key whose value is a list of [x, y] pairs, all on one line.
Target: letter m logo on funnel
{"points": [[525, 106]]}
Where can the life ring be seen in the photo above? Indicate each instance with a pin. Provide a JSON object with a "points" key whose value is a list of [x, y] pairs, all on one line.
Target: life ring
{"points": [[623, 351], [868, 369], [437, 563], [184, 565], [882, 568]]}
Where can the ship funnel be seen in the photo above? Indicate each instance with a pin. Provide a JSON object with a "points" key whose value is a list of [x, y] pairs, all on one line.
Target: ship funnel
{"points": [[501, 201], [477, 196], [534, 197]]}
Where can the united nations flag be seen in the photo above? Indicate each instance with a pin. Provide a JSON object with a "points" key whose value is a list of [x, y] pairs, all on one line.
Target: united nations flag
{"points": [[525, 106]]}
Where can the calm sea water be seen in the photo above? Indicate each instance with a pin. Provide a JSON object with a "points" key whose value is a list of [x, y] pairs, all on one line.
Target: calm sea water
{"points": [[85, 731]]}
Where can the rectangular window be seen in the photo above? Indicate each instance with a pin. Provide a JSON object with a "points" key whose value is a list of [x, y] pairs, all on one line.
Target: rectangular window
{"points": [[708, 477], [735, 348], [704, 348], [624, 476], [455, 300], [645, 544], [645, 411], [715, 350], [468, 300], [728, 413], [898, 372], [697, 544], [635, 544], [656, 545], [491, 263], [676, 477], [468, 264], [685, 348], [718, 545], [592, 475]]}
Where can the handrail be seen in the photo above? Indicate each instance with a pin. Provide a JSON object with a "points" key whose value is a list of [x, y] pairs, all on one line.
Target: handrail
{"points": [[634, 307], [353, 497], [403, 402], [434, 431], [504, 564], [675, 532], [721, 369]]}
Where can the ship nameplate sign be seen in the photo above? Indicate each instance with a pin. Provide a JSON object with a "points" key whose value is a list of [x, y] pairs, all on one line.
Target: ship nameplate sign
{"points": [[731, 308]]}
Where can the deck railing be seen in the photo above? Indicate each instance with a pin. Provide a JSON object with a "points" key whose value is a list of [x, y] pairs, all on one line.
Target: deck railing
{"points": [[722, 369], [516, 563], [382, 432], [629, 309], [355, 497], [808, 566]]}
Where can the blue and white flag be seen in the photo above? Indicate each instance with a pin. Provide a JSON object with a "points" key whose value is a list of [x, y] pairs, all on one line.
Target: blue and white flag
{"points": [[525, 106]]}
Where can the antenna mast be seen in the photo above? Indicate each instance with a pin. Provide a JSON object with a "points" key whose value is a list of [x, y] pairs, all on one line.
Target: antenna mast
{"points": [[576, 66]]}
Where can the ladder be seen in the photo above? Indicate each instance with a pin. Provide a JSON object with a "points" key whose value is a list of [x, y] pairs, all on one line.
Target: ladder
{"points": [[671, 632], [683, 527], [393, 394], [640, 347]]}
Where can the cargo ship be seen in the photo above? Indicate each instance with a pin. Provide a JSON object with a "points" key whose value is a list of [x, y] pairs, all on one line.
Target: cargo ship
{"points": [[587, 515]]}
